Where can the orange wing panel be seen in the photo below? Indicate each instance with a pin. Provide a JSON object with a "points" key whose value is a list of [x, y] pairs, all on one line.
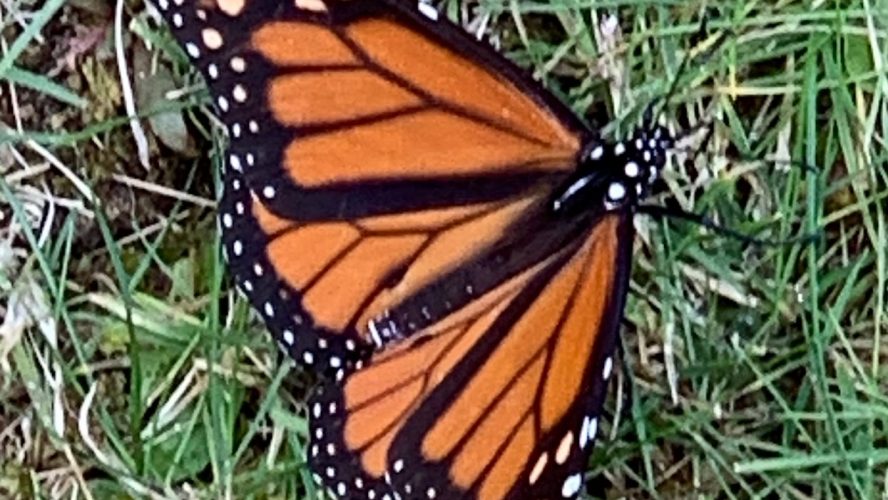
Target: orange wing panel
{"points": [[380, 414], [448, 250], [574, 345], [498, 425], [400, 364], [528, 338], [268, 222], [374, 459], [427, 361], [287, 43], [337, 296], [400, 106], [446, 75], [328, 239], [419, 145], [423, 220], [344, 95], [349, 273], [505, 472]]}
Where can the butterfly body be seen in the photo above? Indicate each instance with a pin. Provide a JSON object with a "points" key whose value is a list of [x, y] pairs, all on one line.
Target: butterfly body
{"points": [[417, 219]]}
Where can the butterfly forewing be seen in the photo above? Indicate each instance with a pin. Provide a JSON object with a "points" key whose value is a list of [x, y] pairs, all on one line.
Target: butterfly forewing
{"points": [[369, 169]]}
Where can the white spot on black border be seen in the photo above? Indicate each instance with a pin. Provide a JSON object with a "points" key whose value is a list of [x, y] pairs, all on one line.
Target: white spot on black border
{"points": [[235, 163], [239, 93], [571, 486], [593, 429], [192, 50], [616, 192], [427, 10], [596, 153], [608, 368], [631, 169]]}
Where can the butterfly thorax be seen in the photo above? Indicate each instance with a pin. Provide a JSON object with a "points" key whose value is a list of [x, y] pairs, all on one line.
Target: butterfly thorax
{"points": [[615, 175]]}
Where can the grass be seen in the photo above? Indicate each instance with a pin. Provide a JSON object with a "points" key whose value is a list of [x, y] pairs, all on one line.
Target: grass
{"points": [[129, 367]]}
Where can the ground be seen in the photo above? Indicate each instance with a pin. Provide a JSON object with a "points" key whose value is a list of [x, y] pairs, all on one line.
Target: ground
{"points": [[129, 367]]}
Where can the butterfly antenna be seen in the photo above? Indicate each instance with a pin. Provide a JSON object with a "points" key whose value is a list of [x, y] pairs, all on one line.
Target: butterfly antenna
{"points": [[660, 212], [689, 55], [694, 152], [710, 130], [649, 116]]}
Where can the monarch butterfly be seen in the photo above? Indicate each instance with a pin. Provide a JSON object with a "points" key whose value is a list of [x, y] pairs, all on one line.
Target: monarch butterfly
{"points": [[414, 216]]}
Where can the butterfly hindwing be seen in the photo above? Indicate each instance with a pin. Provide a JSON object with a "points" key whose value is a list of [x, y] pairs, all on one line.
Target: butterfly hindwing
{"points": [[501, 404], [244, 240]]}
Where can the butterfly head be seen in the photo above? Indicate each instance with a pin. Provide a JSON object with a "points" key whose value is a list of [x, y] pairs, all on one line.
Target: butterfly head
{"points": [[636, 164], [618, 174]]}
